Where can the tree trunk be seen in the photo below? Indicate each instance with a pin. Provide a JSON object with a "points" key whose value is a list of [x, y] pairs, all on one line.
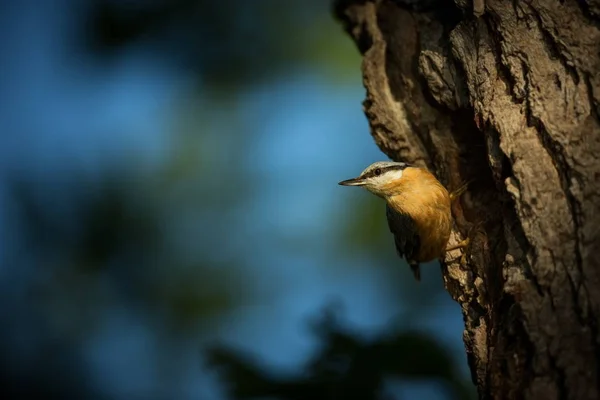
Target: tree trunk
{"points": [[505, 93]]}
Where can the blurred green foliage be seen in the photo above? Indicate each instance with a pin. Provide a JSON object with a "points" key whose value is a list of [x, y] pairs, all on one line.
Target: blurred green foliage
{"points": [[346, 366], [229, 43], [368, 227]]}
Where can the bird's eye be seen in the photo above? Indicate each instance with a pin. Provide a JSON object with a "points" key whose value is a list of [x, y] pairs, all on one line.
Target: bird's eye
{"points": [[378, 172]]}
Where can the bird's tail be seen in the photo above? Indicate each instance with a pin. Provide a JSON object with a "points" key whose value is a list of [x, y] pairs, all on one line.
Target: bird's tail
{"points": [[458, 192], [416, 270]]}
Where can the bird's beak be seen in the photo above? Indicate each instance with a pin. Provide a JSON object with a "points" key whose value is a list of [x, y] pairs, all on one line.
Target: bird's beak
{"points": [[353, 182]]}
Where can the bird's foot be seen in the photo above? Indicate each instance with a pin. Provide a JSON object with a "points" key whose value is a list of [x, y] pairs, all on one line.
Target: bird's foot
{"points": [[461, 245]]}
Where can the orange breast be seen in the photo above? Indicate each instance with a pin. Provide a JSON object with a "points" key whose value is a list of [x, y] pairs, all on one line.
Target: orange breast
{"points": [[421, 196]]}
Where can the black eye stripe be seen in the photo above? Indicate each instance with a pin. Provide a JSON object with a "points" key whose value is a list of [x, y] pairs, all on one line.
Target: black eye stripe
{"points": [[383, 170]]}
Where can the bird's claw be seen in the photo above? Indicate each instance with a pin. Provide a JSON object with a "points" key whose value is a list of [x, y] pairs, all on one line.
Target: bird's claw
{"points": [[461, 245]]}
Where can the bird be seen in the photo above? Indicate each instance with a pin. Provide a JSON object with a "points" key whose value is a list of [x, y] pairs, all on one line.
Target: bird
{"points": [[418, 209]]}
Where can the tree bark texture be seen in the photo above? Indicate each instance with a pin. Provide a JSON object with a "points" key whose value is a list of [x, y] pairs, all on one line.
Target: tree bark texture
{"points": [[504, 93]]}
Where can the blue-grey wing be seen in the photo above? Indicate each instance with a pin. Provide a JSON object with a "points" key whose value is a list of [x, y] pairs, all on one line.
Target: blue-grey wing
{"points": [[406, 239]]}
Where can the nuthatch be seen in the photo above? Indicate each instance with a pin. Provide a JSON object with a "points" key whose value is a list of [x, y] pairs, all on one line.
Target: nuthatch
{"points": [[418, 209]]}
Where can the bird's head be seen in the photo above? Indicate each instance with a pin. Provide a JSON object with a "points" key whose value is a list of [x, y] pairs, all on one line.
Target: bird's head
{"points": [[379, 178]]}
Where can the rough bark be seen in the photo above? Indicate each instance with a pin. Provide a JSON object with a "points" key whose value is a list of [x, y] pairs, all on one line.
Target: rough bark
{"points": [[506, 93]]}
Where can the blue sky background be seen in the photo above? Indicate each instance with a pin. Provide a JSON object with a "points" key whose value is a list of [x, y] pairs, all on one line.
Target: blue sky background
{"points": [[250, 235]]}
